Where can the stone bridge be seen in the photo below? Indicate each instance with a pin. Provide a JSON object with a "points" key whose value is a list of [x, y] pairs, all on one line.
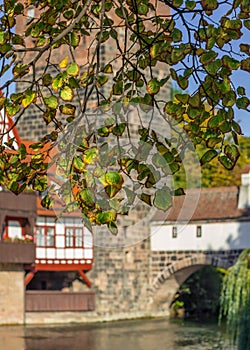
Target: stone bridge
{"points": [[137, 282], [177, 268]]}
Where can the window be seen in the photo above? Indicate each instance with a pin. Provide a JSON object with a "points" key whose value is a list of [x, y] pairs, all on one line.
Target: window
{"points": [[174, 232], [198, 231], [45, 236], [30, 14], [14, 229], [74, 237]]}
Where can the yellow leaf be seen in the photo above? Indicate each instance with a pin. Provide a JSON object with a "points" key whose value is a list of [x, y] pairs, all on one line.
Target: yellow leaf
{"points": [[63, 64]]}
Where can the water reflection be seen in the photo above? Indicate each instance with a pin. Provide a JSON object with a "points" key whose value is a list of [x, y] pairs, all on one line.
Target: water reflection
{"points": [[133, 335]]}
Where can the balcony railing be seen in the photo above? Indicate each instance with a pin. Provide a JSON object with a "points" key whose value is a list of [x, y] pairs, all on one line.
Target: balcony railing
{"points": [[17, 252], [46, 300]]}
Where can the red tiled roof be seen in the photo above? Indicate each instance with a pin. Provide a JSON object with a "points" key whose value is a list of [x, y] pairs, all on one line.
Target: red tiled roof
{"points": [[219, 203]]}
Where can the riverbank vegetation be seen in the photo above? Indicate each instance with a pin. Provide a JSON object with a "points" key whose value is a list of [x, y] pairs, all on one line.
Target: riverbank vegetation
{"points": [[235, 301]]}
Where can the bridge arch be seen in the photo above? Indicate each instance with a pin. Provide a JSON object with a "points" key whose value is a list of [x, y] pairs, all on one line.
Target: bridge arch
{"points": [[175, 273]]}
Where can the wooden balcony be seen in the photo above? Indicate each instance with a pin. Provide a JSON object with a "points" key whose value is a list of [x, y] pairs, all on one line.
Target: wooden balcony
{"points": [[46, 300], [17, 252]]}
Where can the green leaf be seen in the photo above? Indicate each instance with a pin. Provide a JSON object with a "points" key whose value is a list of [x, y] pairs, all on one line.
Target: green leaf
{"points": [[2, 38], [111, 191], [118, 88], [29, 97], [182, 82], [159, 161], [87, 198], [216, 121], [155, 50], [90, 155], [74, 39], [47, 79], [213, 67], [66, 93], [208, 57], [68, 14], [179, 192], [103, 131], [130, 195], [102, 36], [163, 199], [114, 178], [195, 100], [108, 69], [18, 40], [245, 64], [232, 152], [213, 141], [145, 198], [119, 129], [229, 99], [225, 86], [241, 90], [183, 98], [209, 4], [242, 102], [40, 184], [101, 80], [226, 162], [230, 62], [153, 86], [49, 115], [208, 156], [245, 48], [22, 151], [142, 9], [58, 82], [177, 55], [247, 24], [190, 5], [177, 3], [106, 217], [113, 228], [12, 109], [51, 102], [121, 12], [78, 164], [176, 35], [47, 201], [73, 69]]}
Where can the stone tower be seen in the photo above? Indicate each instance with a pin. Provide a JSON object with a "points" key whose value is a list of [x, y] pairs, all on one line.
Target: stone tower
{"points": [[31, 125]]}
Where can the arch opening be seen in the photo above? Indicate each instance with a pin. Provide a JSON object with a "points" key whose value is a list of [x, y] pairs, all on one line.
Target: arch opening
{"points": [[198, 295]]}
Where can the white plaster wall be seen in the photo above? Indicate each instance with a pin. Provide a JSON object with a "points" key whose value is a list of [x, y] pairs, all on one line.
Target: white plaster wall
{"points": [[215, 236], [60, 251]]}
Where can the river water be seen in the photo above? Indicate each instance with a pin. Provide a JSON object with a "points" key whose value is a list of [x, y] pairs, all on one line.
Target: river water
{"points": [[160, 334]]}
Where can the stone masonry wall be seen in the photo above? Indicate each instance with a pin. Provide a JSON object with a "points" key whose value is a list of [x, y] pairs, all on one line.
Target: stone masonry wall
{"points": [[129, 280], [11, 294], [121, 278]]}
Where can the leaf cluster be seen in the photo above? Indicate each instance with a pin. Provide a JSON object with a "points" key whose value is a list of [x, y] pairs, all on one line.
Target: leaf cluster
{"points": [[115, 53]]}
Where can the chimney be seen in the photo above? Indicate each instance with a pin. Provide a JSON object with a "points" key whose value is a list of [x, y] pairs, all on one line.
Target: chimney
{"points": [[244, 195]]}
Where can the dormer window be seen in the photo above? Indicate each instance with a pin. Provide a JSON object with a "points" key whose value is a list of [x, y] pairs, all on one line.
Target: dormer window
{"points": [[198, 231], [174, 232]]}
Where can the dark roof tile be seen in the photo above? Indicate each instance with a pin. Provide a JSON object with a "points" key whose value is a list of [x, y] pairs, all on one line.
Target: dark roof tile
{"points": [[219, 203]]}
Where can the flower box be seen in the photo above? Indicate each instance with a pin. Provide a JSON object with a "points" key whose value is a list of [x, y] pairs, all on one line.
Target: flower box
{"points": [[17, 252]]}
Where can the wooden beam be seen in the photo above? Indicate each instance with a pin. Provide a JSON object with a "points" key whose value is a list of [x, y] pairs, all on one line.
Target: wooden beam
{"points": [[85, 278], [29, 277]]}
